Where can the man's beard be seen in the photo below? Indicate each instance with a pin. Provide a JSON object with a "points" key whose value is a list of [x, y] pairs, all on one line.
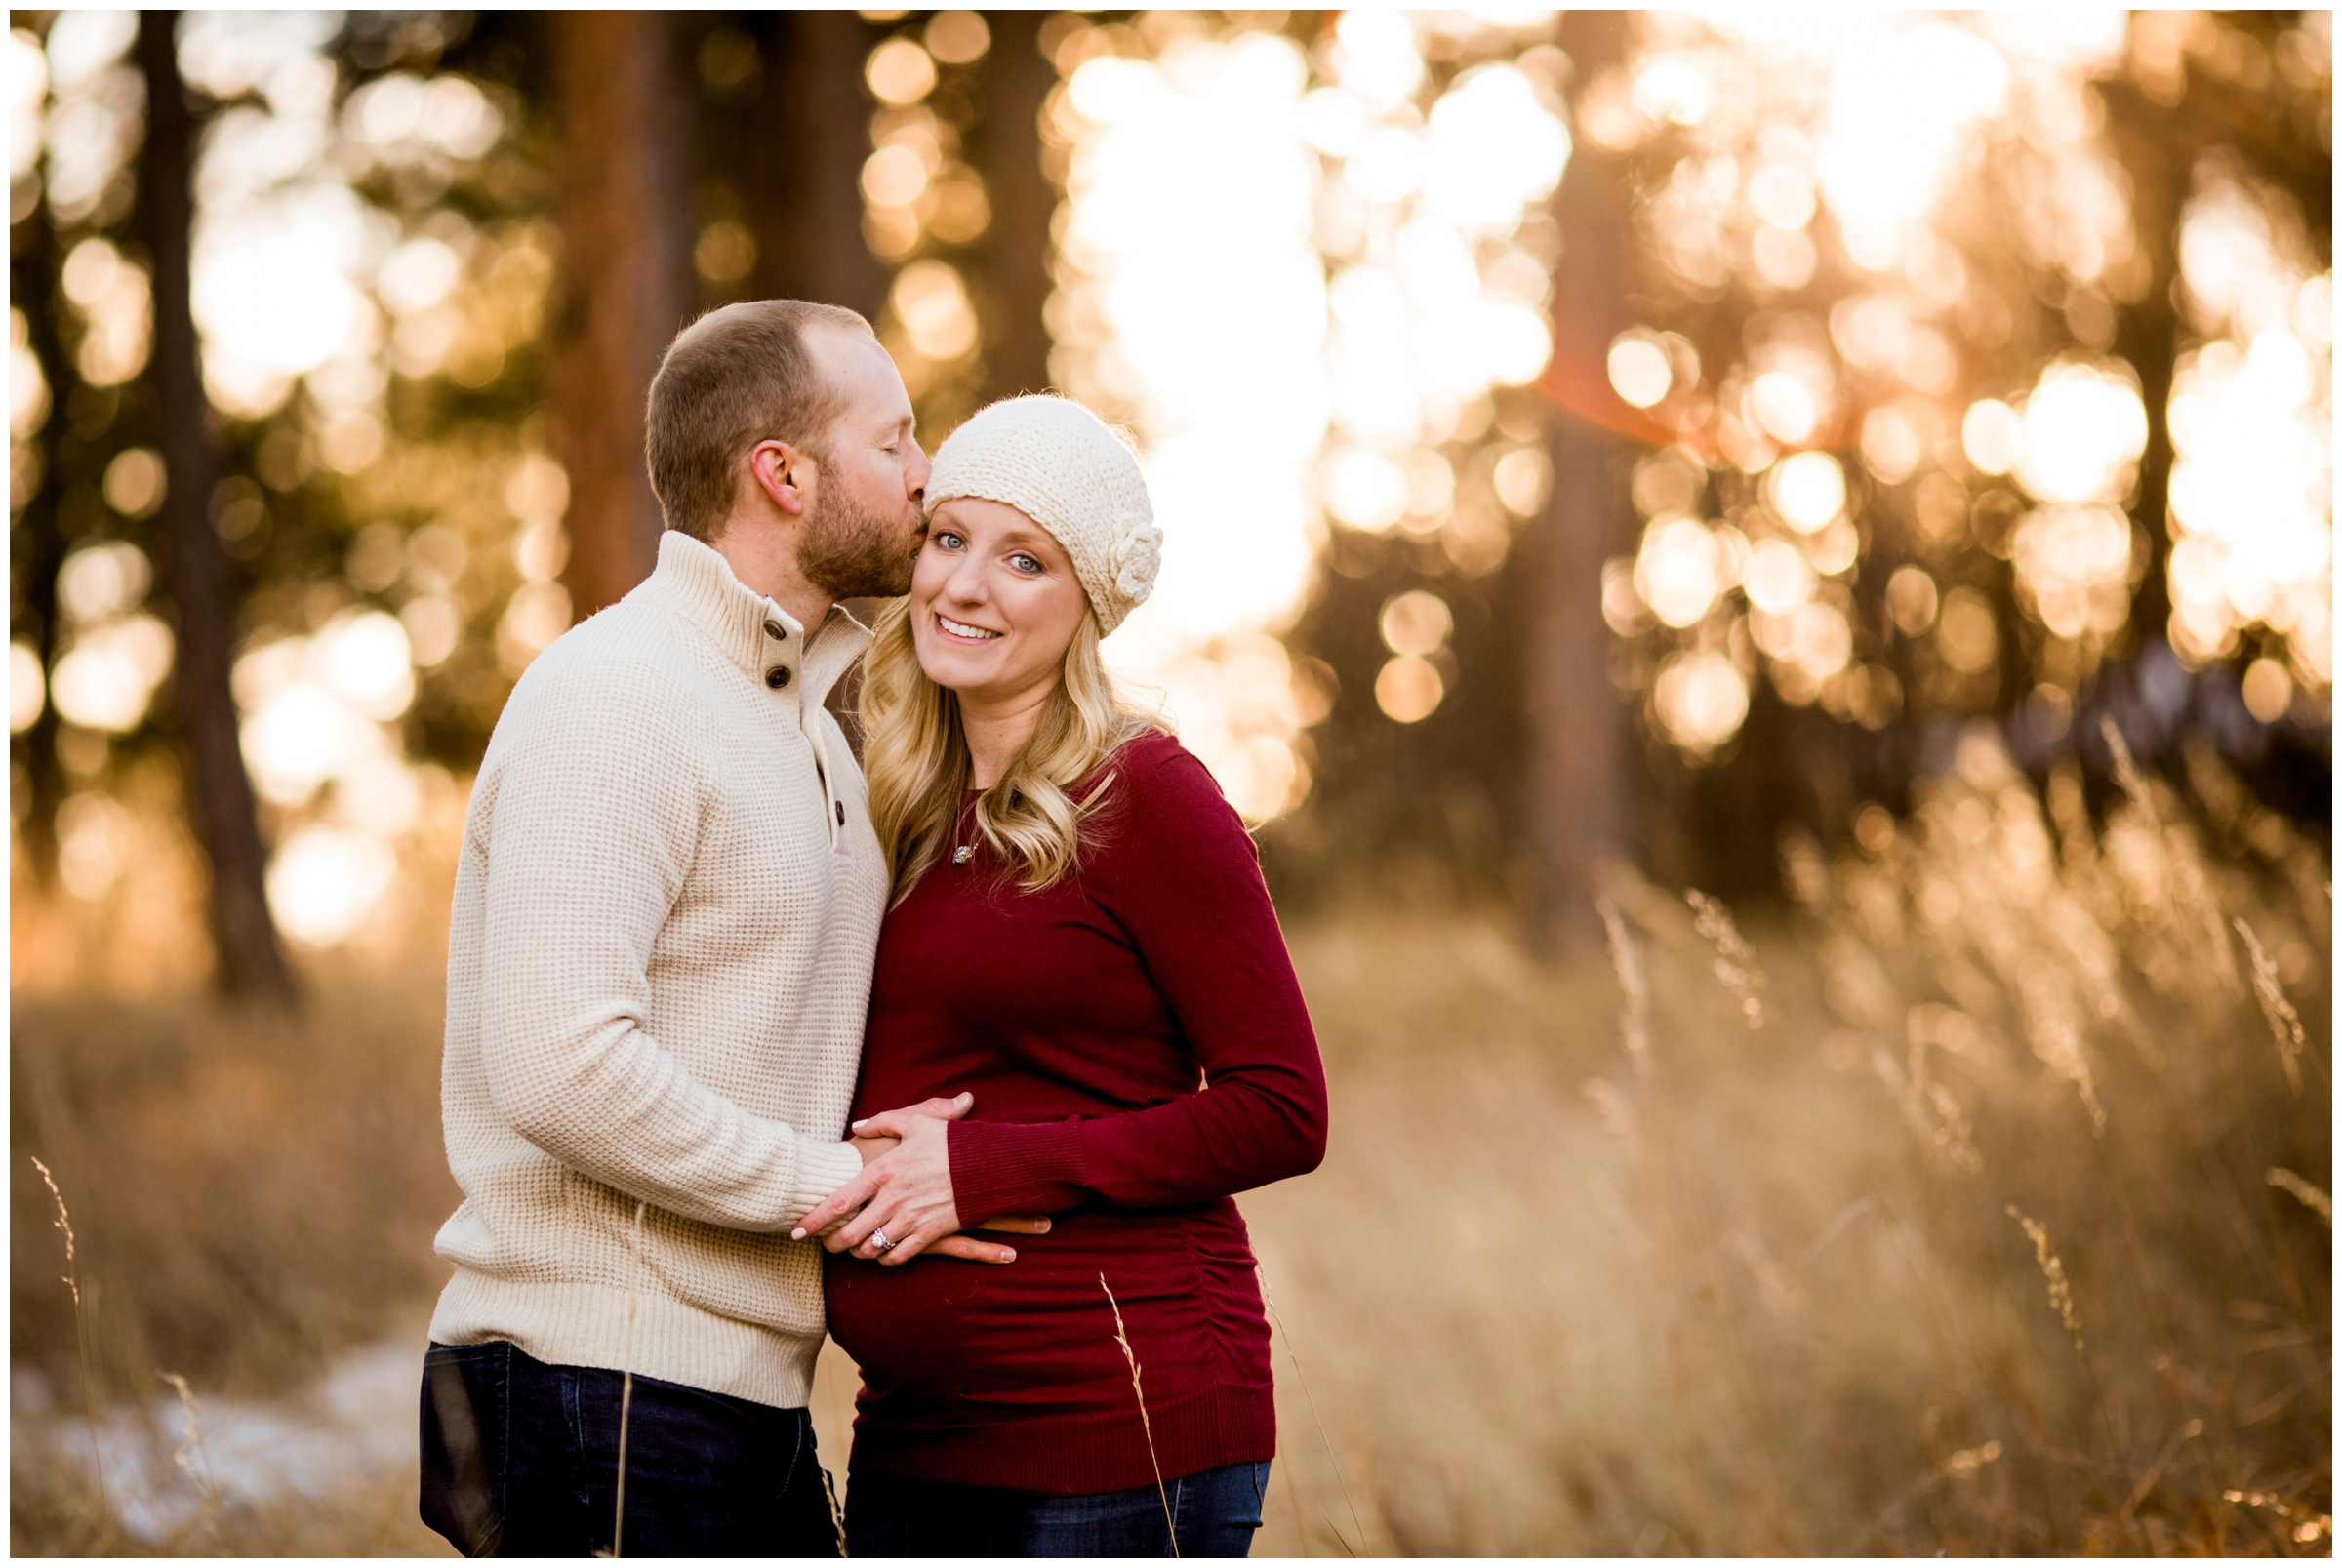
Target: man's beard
{"points": [[851, 551]]}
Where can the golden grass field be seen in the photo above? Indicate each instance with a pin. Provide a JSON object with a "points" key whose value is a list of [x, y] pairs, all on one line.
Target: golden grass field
{"points": [[1976, 1202]]}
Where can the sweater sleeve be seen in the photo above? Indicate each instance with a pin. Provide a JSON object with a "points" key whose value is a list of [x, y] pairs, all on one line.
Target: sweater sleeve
{"points": [[1190, 892], [588, 835]]}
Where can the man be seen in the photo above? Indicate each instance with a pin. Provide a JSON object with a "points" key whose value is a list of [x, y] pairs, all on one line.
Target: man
{"points": [[666, 913]]}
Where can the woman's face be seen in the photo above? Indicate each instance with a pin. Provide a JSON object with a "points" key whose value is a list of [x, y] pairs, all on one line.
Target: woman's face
{"points": [[994, 602]]}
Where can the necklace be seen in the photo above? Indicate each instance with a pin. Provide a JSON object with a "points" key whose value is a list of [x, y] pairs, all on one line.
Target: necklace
{"points": [[962, 854]]}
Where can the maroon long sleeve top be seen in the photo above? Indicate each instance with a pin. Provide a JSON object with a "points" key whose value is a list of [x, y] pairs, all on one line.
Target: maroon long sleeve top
{"points": [[1138, 1050]]}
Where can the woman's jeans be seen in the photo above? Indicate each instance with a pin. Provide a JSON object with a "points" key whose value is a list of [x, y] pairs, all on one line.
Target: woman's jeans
{"points": [[520, 1460], [1213, 1513]]}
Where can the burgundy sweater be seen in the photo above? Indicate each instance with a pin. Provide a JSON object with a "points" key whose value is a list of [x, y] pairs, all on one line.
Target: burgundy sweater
{"points": [[1138, 1050]]}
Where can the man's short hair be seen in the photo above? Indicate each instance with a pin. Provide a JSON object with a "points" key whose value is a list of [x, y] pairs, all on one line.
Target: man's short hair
{"points": [[737, 375]]}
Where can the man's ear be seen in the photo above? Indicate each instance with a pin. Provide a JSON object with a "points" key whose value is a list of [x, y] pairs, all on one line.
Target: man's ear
{"points": [[785, 473]]}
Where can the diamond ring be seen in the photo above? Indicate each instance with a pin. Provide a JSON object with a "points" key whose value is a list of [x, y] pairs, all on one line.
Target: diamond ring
{"points": [[878, 1240]]}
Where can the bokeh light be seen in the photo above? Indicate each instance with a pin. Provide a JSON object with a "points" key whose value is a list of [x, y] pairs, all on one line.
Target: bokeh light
{"points": [[135, 482], [323, 882], [2252, 429], [1680, 572], [1808, 491], [1491, 148], [1416, 623], [27, 686], [1918, 228], [1967, 632], [899, 71], [320, 741], [100, 579], [2084, 430], [1639, 372], [1354, 245], [1700, 699], [1935, 164], [117, 309], [1409, 689], [958, 37], [94, 840], [1187, 250], [106, 680]]}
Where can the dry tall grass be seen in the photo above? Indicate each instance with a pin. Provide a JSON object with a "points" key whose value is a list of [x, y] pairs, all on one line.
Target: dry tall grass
{"points": [[1706, 1248], [251, 1195], [1687, 1285]]}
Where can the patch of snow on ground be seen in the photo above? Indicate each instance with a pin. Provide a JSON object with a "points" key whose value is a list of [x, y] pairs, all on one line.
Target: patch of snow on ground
{"points": [[355, 1426]]}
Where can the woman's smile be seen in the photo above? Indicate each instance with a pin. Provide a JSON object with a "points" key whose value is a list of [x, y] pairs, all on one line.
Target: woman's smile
{"points": [[962, 631]]}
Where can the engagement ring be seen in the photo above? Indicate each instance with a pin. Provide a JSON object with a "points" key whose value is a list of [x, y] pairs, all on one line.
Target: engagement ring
{"points": [[878, 1240]]}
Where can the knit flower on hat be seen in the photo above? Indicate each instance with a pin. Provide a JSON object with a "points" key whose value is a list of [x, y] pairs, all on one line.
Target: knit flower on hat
{"points": [[1138, 556], [1138, 551]]}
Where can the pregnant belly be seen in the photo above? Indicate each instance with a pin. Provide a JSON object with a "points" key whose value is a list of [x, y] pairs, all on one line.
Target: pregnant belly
{"points": [[940, 1340]]}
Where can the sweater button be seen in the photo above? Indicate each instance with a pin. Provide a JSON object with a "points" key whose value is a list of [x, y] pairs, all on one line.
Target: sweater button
{"points": [[776, 676], [772, 630]]}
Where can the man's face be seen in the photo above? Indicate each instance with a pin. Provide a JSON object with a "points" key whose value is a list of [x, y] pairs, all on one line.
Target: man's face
{"points": [[865, 526]]}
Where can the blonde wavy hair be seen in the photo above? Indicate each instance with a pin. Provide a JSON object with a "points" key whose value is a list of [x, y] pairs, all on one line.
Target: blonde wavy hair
{"points": [[915, 754]]}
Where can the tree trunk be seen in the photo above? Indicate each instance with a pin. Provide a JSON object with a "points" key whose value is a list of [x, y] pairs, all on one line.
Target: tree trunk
{"points": [[1012, 267], [1579, 732], [37, 540], [2147, 333], [250, 961], [626, 275], [806, 164]]}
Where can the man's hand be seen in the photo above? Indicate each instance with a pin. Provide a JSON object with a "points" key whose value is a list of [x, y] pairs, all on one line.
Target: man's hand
{"points": [[904, 1193], [966, 1245]]}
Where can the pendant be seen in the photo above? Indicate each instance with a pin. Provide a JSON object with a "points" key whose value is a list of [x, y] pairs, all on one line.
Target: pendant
{"points": [[962, 855]]}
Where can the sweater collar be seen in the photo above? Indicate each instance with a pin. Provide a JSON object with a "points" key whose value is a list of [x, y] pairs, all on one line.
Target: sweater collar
{"points": [[695, 583]]}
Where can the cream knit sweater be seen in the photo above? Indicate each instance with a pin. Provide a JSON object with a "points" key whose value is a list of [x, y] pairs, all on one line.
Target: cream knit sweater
{"points": [[666, 913]]}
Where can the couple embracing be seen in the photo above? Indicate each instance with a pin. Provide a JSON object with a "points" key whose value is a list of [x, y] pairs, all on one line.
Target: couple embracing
{"points": [[744, 1044]]}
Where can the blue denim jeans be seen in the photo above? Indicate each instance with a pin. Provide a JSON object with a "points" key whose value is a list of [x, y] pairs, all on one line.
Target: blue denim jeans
{"points": [[1213, 1512], [520, 1460]]}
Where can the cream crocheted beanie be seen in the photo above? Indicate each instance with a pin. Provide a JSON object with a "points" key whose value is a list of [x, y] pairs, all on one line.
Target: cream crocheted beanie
{"points": [[1059, 464]]}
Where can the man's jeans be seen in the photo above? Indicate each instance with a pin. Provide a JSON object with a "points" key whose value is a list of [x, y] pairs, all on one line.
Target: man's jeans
{"points": [[520, 1460], [1214, 1512]]}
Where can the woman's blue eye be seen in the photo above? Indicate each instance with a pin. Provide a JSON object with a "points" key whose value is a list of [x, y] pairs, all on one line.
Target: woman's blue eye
{"points": [[1024, 563], [945, 540]]}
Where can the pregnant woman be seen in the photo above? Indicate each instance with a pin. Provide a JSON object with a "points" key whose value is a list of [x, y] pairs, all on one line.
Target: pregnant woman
{"points": [[1082, 939]]}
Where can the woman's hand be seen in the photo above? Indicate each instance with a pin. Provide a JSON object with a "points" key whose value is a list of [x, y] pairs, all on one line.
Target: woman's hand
{"points": [[904, 1193]]}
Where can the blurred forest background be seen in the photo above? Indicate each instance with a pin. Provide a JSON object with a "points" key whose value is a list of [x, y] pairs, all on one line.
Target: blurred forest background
{"points": [[1869, 474]]}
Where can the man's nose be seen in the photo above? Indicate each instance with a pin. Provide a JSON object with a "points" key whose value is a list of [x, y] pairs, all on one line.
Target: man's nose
{"points": [[916, 470]]}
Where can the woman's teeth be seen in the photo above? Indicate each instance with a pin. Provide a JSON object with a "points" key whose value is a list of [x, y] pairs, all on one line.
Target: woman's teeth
{"points": [[957, 629]]}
